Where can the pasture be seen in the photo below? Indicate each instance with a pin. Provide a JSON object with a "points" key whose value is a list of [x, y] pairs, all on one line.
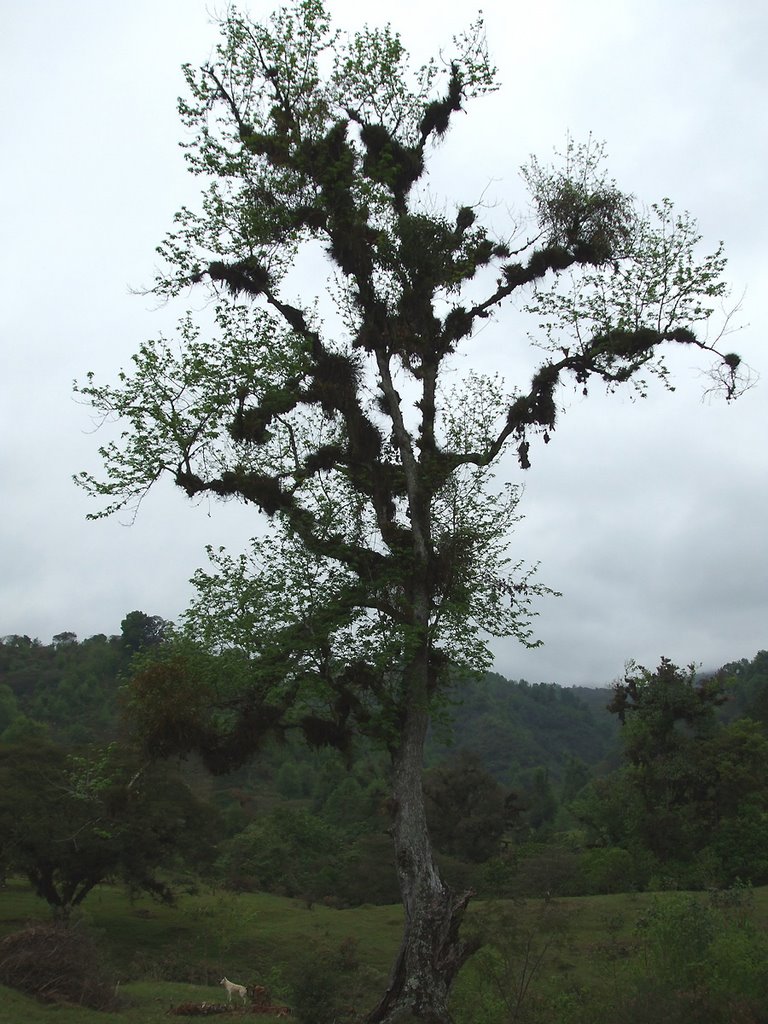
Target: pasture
{"points": [[566, 952]]}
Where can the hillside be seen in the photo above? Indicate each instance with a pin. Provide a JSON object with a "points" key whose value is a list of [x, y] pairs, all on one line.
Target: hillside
{"points": [[529, 787], [516, 727], [70, 687]]}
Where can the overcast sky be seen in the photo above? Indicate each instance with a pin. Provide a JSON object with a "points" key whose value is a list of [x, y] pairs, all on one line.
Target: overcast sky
{"points": [[649, 516]]}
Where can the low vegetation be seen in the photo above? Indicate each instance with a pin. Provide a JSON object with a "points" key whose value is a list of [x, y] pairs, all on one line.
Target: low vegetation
{"points": [[677, 957], [57, 965]]}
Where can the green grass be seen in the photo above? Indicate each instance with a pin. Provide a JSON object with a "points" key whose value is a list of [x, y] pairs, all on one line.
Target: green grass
{"points": [[142, 1003], [163, 956], [593, 970], [167, 955]]}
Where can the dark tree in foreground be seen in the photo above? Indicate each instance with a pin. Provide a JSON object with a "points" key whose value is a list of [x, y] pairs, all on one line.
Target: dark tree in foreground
{"points": [[346, 421], [70, 822]]}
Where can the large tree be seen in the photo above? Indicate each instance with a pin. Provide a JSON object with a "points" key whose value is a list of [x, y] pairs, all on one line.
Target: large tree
{"points": [[343, 417]]}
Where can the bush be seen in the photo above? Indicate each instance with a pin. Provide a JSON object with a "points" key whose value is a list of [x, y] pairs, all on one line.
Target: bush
{"points": [[706, 962], [315, 992], [288, 852], [316, 987], [548, 870], [496, 879], [58, 965], [611, 869], [501, 982]]}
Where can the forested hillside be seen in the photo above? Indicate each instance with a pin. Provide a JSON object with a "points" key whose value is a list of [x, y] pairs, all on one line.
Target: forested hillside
{"points": [[531, 788], [69, 689], [516, 727]]}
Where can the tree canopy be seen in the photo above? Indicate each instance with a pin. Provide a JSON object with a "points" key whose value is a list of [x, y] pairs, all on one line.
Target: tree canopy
{"points": [[341, 416]]}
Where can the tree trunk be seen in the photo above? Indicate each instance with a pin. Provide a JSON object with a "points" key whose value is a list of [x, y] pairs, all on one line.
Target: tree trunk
{"points": [[431, 952]]}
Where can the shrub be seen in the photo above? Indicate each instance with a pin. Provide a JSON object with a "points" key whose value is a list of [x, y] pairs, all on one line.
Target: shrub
{"points": [[315, 990], [500, 984], [548, 870], [705, 962], [610, 869], [496, 879], [288, 852], [58, 965]]}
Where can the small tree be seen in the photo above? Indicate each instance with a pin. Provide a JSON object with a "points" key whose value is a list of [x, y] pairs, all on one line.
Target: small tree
{"points": [[69, 823], [139, 631], [466, 808], [386, 555], [693, 788]]}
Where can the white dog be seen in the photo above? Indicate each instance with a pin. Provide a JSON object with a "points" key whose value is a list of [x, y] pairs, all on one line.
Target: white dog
{"points": [[231, 987]]}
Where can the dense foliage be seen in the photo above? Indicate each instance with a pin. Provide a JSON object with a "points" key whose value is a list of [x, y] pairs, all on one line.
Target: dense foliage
{"points": [[516, 727], [68, 689], [530, 797], [691, 801], [71, 821]]}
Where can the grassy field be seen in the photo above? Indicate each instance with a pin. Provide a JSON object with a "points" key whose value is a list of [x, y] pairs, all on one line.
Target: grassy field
{"points": [[163, 956]]}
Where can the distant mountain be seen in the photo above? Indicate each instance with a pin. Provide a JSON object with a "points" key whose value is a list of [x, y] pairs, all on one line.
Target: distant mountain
{"points": [[516, 727]]}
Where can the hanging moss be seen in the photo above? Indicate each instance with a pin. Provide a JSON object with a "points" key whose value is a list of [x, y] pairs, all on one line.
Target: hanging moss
{"points": [[224, 753], [244, 276], [365, 440], [537, 408], [321, 732], [389, 163], [312, 217], [334, 382], [350, 245], [191, 483], [626, 344], [264, 491], [465, 218], [437, 115], [250, 425], [275, 146], [457, 325], [326, 457]]}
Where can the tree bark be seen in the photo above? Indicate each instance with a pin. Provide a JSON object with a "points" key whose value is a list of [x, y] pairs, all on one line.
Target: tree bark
{"points": [[431, 952]]}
